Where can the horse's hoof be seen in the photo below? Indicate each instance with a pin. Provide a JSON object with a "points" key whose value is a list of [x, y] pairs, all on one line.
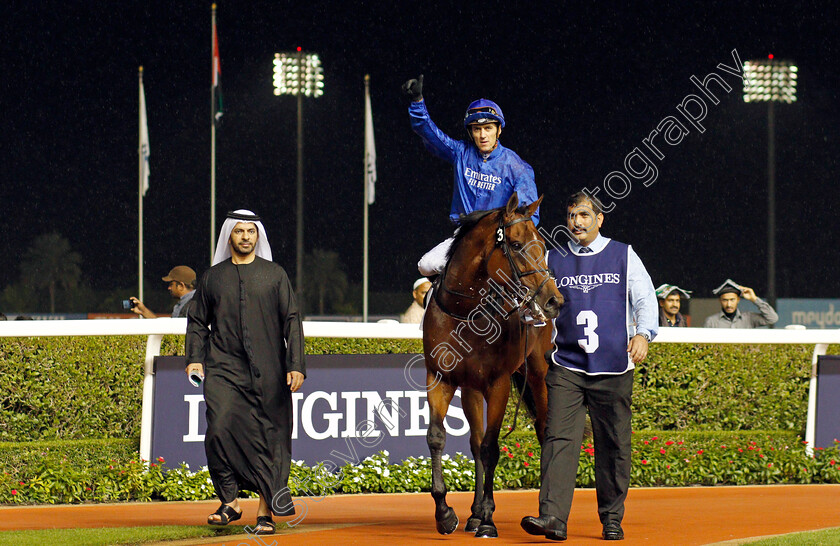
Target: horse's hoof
{"points": [[472, 525], [486, 531], [448, 522]]}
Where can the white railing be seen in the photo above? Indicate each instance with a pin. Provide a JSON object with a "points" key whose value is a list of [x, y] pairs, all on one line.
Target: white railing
{"points": [[155, 329]]}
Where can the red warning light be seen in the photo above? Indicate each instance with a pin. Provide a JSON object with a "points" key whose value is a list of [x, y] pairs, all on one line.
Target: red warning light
{"points": [[769, 56], [301, 49]]}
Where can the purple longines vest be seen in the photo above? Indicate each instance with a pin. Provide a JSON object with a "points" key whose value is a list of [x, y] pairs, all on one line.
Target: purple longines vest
{"points": [[590, 334]]}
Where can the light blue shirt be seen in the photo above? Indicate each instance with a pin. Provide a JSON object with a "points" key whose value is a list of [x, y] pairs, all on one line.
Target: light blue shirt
{"points": [[180, 309], [642, 308]]}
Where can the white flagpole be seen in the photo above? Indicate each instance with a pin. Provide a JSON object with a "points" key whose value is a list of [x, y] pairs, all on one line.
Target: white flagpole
{"points": [[141, 169], [365, 214], [213, 136]]}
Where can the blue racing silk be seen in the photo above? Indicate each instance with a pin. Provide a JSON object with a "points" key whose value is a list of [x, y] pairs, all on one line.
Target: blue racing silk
{"points": [[481, 183]]}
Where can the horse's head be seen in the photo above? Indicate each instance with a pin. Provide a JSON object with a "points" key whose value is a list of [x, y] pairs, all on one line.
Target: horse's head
{"points": [[523, 259]]}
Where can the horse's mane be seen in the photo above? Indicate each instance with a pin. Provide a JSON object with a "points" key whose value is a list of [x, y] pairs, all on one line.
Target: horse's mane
{"points": [[468, 221]]}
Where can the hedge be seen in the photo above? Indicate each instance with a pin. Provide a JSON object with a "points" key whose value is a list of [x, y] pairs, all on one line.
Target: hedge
{"points": [[90, 387]]}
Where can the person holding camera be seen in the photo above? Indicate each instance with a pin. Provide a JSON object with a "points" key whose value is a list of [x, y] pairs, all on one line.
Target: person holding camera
{"points": [[181, 287]]}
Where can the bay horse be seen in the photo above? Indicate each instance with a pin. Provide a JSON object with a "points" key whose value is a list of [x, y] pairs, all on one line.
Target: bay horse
{"points": [[474, 338]]}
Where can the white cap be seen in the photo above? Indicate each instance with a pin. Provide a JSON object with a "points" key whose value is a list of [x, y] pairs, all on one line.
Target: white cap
{"points": [[420, 281]]}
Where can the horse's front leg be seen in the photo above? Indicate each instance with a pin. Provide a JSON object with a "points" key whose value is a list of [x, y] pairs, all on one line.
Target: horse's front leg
{"points": [[473, 404], [537, 369], [439, 395], [497, 398]]}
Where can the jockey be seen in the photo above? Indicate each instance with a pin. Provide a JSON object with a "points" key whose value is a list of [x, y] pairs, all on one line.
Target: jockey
{"points": [[486, 173]]}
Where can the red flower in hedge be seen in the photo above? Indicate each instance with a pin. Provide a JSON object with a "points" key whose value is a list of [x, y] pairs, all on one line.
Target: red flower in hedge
{"points": [[517, 444], [668, 467], [14, 491], [761, 455], [21, 484], [505, 449], [526, 463], [699, 451], [662, 451], [654, 438], [510, 455], [669, 443], [832, 463], [680, 443], [88, 489], [160, 460], [644, 461], [740, 450], [646, 442], [769, 465], [530, 453]]}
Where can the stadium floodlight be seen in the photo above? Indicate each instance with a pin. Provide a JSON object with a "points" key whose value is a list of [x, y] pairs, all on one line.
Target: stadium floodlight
{"points": [[771, 81], [300, 74]]}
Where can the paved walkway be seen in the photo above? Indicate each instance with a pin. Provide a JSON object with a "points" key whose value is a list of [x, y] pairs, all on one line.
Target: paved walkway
{"points": [[667, 516]]}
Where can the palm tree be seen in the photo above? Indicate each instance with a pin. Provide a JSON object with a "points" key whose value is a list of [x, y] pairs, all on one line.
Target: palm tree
{"points": [[325, 278], [52, 264]]}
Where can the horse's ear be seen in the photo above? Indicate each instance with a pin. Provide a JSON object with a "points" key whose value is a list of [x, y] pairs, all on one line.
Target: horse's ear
{"points": [[532, 208], [512, 203]]}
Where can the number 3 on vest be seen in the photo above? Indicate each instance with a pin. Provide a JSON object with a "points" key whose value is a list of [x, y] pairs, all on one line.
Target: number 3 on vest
{"points": [[589, 320]]}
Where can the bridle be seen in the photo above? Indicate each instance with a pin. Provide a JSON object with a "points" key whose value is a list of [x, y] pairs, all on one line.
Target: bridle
{"points": [[501, 242]]}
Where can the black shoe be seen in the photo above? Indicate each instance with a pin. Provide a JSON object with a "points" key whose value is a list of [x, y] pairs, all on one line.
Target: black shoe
{"points": [[613, 531], [547, 526]]}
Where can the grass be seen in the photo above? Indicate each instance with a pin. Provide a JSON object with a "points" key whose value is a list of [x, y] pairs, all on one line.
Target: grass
{"points": [[809, 538], [111, 536]]}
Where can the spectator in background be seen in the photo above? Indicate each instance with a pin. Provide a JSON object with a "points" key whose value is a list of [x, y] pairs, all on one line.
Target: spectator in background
{"points": [[670, 300], [3, 317], [414, 314], [729, 294], [181, 286]]}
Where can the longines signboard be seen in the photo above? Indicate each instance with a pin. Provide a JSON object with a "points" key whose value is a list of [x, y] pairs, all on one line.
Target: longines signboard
{"points": [[350, 407]]}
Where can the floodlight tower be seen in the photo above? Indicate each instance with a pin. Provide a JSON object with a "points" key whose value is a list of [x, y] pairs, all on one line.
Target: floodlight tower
{"points": [[301, 74], [770, 81]]}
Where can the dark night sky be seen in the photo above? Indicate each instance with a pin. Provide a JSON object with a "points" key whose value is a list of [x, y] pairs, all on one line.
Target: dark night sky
{"points": [[580, 86]]}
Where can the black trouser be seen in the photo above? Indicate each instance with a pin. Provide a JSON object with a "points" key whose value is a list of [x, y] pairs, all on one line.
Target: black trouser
{"points": [[608, 399]]}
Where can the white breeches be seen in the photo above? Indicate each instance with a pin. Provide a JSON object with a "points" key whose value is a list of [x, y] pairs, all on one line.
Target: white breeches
{"points": [[433, 262]]}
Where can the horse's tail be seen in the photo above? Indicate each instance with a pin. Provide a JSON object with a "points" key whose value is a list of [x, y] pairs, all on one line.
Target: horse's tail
{"points": [[520, 384]]}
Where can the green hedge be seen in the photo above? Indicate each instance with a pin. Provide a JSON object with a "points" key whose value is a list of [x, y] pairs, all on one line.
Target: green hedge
{"points": [[90, 387], [723, 387]]}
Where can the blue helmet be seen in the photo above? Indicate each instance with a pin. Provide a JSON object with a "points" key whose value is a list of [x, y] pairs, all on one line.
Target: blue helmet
{"points": [[483, 111]]}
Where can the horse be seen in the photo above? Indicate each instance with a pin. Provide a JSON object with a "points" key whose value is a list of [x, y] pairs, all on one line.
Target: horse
{"points": [[475, 336]]}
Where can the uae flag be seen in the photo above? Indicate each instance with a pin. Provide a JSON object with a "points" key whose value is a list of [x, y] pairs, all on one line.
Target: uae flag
{"points": [[217, 77]]}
